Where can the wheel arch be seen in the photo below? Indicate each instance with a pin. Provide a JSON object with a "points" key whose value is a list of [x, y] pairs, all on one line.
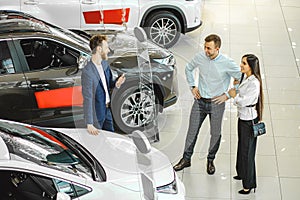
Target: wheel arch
{"points": [[158, 89], [172, 9]]}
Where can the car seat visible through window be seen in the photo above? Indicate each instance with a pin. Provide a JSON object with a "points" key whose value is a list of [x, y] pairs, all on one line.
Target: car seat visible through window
{"points": [[6, 63]]}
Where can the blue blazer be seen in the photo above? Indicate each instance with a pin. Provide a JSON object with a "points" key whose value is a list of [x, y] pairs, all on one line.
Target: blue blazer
{"points": [[93, 92]]}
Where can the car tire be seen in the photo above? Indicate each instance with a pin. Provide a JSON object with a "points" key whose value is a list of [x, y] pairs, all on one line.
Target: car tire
{"points": [[163, 28], [131, 108]]}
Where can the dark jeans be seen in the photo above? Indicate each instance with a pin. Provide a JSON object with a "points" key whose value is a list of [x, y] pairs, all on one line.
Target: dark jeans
{"points": [[201, 108], [245, 163], [107, 123]]}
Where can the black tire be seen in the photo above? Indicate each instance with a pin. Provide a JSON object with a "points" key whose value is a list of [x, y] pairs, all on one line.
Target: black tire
{"points": [[163, 28], [132, 110]]}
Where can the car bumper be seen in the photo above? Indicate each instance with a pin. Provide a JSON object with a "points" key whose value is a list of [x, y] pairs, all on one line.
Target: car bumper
{"points": [[193, 28], [179, 196]]}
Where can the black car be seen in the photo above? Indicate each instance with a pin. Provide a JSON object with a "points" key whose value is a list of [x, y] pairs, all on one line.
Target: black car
{"points": [[40, 70]]}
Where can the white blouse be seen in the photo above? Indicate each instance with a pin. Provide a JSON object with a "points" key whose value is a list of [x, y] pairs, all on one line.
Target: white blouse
{"points": [[248, 95]]}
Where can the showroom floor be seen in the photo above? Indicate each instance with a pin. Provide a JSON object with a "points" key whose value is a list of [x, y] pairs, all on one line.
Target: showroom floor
{"points": [[271, 30]]}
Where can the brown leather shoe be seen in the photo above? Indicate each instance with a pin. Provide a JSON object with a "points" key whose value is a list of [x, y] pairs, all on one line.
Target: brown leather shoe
{"points": [[182, 164], [210, 167]]}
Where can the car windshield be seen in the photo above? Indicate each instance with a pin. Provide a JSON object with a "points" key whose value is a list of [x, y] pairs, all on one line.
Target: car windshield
{"points": [[69, 35], [41, 146]]}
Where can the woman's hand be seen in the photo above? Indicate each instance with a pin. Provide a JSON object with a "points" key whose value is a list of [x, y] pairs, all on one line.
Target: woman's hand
{"points": [[232, 92]]}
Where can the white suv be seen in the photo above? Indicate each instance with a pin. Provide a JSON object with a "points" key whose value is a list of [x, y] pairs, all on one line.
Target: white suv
{"points": [[163, 20]]}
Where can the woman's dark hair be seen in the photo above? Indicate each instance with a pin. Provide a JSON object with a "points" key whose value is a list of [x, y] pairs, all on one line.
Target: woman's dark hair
{"points": [[253, 62]]}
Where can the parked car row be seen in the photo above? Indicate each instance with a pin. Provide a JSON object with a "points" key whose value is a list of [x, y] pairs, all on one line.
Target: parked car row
{"points": [[40, 69]]}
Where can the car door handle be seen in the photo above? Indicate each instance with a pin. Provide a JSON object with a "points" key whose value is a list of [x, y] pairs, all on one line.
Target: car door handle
{"points": [[31, 2], [89, 2], [42, 85]]}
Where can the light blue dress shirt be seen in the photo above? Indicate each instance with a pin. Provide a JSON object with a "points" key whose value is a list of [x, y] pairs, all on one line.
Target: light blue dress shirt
{"points": [[214, 75]]}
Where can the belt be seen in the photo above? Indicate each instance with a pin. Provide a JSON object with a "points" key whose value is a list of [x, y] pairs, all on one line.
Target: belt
{"points": [[107, 105], [206, 99]]}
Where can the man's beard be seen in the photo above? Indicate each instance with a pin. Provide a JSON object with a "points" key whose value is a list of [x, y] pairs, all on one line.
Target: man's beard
{"points": [[104, 57]]}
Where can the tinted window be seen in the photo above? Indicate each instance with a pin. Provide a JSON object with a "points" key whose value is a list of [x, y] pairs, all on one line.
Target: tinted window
{"points": [[6, 62], [70, 189], [43, 54], [22, 185]]}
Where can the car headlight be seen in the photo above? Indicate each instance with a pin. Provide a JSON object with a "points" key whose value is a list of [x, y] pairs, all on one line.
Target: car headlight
{"points": [[170, 60], [169, 189]]}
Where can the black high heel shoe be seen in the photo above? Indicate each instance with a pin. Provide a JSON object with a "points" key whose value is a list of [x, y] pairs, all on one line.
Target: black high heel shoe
{"points": [[243, 191], [237, 178]]}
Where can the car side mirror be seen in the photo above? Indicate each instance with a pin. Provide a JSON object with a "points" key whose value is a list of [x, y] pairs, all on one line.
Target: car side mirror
{"points": [[62, 196], [141, 142], [82, 61], [140, 34]]}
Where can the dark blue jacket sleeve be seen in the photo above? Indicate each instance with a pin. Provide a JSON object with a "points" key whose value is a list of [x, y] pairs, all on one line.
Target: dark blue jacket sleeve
{"points": [[88, 95]]}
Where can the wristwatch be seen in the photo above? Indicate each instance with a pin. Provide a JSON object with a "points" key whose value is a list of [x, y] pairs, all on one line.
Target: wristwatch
{"points": [[192, 87]]}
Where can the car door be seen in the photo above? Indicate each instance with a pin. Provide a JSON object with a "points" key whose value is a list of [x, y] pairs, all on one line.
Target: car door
{"points": [[53, 80], [113, 13], [63, 13], [21, 184], [15, 101]]}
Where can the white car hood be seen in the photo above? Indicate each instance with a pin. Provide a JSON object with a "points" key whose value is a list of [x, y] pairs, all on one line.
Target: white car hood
{"points": [[118, 155]]}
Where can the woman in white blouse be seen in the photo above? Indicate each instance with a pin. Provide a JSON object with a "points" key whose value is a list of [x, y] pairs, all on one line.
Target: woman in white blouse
{"points": [[249, 101]]}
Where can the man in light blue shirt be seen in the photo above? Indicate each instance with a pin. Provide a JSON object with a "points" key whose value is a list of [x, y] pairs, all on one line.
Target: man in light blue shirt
{"points": [[214, 73]]}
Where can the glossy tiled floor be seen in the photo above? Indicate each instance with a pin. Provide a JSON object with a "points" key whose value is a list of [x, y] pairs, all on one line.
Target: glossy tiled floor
{"points": [[271, 30]]}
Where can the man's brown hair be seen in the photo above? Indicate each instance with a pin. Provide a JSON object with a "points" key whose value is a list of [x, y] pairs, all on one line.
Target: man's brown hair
{"points": [[96, 40], [215, 38]]}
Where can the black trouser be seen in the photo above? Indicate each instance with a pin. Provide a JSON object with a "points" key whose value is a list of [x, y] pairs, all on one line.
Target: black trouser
{"points": [[245, 162]]}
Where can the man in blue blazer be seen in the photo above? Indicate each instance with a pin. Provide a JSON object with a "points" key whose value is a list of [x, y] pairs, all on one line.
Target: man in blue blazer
{"points": [[97, 81]]}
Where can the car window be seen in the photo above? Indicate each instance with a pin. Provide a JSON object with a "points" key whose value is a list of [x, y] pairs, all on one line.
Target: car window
{"points": [[23, 185], [6, 62], [42, 54], [71, 189], [30, 144]]}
